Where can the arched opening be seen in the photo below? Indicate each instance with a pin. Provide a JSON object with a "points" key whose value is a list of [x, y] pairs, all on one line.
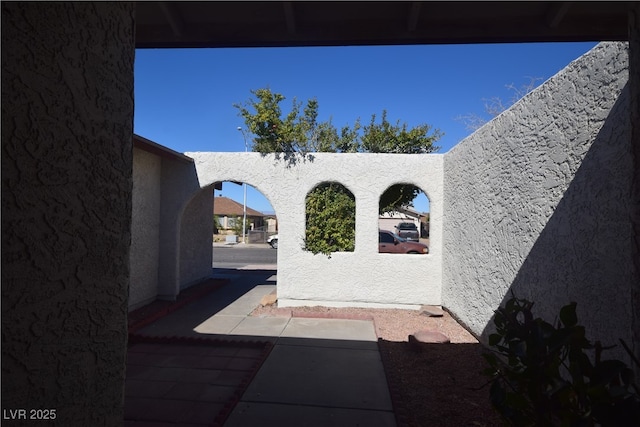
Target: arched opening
{"points": [[403, 220], [243, 217], [330, 218]]}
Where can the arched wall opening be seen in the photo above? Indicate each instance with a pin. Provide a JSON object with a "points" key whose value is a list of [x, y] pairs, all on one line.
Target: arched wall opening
{"points": [[330, 219], [363, 277], [197, 237], [404, 210], [235, 203]]}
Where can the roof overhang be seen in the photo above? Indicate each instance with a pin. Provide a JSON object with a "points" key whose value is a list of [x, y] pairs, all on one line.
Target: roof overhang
{"points": [[159, 150], [333, 23]]}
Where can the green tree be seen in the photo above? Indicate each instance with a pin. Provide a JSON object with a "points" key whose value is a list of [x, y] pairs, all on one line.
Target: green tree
{"points": [[237, 225], [300, 132], [331, 219], [398, 195], [295, 132], [216, 224]]}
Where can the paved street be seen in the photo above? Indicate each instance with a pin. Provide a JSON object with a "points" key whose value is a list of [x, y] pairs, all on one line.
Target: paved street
{"points": [[239, 255]]}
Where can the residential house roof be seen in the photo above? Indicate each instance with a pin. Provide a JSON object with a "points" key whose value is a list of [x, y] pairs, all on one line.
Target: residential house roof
{"points": [[226, 206], [159, 150]]}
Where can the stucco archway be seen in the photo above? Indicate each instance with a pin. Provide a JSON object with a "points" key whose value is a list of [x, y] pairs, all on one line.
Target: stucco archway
{"points": [[359, 278]]}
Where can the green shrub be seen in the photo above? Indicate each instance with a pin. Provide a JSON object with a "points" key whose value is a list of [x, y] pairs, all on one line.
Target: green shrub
{"points": [[330, 219], [543, 375]]}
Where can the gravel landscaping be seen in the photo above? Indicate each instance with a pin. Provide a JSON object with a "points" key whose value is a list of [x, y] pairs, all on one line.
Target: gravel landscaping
{"points": [[437, 384]]}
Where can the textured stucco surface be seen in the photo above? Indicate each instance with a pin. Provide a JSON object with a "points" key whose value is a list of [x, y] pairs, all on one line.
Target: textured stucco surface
{"points": [[360, 278], [179, 185], [536, 202], [145, 228], [196, 234], [172, 227], [634, 95], [67, 124]]}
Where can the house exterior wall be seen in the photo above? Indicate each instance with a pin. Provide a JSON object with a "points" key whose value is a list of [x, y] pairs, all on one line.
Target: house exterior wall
{"points": [[179, 185], [536, 202], [145, 228], [272, 225], [67, 125], [390, 220], [171, 228], [360, 278], [196, 235]]}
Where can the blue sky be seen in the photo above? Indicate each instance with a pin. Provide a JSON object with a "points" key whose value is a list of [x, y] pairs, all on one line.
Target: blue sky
{"points": [[184, 97]]}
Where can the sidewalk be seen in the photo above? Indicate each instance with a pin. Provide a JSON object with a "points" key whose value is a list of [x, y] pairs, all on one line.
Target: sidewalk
{"points": [[240, 245], [317, 372]]}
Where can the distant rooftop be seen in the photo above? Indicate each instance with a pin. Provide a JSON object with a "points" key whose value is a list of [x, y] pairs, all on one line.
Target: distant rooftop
{"points": [[226, 206]]}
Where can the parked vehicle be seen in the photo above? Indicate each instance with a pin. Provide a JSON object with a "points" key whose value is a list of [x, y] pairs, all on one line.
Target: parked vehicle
{"points": [[273, 241], [408, 231], [391, 243]]}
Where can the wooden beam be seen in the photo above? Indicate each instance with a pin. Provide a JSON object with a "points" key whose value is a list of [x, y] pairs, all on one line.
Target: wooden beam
{"points": [[173, 17], [289, 17], [556, 13], [414, 14]]}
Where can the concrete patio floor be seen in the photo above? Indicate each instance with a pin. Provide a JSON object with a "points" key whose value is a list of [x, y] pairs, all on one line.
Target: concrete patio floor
{"points": [[317, 372]]}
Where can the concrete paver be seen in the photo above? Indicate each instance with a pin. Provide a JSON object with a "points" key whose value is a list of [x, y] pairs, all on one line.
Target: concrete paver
{"points": [[319, 372], [244, 305], [276, 414], [321, 376], [337, 329], [265, 326], [219, 324]]}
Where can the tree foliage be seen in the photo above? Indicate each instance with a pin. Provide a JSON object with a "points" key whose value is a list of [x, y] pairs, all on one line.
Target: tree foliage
{"points": [[300, 132], [398, 195], [331, 219]]}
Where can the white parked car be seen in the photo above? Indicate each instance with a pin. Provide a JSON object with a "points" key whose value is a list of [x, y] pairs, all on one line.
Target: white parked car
{"points": [[273, 241]]}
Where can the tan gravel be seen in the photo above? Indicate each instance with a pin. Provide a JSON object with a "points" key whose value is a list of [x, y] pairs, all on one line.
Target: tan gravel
{"points": [[430, 384], [391, 324]]}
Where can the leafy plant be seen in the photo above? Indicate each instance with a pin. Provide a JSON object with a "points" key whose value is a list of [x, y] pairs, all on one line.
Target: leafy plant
{"points": [[217, 225], [237, 225], [331, 219], [300, 132], [542, 375]]}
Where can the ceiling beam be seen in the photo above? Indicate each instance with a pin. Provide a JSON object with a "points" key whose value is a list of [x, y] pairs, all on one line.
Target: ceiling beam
{"points": [[556, 13], [414, 14], [173, 17], [341, 23], [290, 17]]}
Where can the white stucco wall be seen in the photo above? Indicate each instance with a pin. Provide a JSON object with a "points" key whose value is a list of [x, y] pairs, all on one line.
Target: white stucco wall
{"points": [[360, 278], [171, 226], [196, 234], [145, 228], [179, 187], [536, 202]]}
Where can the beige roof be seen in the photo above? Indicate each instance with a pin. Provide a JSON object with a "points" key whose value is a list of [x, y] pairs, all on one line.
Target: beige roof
{"points": [[226, 206]]}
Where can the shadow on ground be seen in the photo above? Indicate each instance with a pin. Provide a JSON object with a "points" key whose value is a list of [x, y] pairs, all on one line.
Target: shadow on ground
{"points": [[438, 384], [196, 379]]}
